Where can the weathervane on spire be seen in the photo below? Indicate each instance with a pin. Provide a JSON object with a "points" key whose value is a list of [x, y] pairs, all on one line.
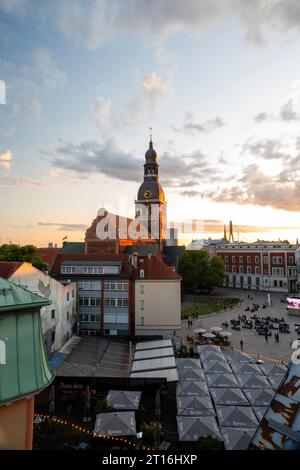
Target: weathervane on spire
{"points": [[150, 129]]}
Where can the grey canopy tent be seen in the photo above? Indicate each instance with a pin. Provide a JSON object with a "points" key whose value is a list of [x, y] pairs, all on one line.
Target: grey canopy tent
{"points": [[236, 417], [191, 374], [246, 369], [192, 389], [216, 367], [237, 439], [268, 368], [238, 357], [275, 380], [191, 428], [253, 381], [212, 356], [259, 397], [260, 411], [187, 363], [195, 406], [121, 423], [222, 380], [228, 396], [123, 400]]}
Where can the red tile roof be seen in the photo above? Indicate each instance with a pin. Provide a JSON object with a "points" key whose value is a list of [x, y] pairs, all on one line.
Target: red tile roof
{"points": [[7, 268], [48, 254], [155, 269]]}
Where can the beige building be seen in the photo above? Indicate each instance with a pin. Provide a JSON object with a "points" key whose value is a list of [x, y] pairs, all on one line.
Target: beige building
{"points": [[157, 298], [58, 318]]}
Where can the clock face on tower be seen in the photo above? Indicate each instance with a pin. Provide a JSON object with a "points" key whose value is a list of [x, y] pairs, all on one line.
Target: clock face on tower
{"points": [[147, 194]]}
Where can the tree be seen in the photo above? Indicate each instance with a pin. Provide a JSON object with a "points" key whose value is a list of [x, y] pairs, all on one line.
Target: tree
{"points": [[209, 443], [201, 270], [27, 253]]}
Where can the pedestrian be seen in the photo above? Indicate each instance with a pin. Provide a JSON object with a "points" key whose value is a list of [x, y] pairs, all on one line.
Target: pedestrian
{"points": [[242, 344], [266, 337], [277, 337], [191, 322]]}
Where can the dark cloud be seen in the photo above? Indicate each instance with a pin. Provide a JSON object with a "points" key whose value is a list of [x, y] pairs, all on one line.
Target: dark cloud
{"points": [[267, 149], [89, 158], [192, 127]]}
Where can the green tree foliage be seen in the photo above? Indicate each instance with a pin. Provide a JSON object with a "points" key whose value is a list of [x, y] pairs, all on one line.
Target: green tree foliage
{"points": [[28, 253], [201, 270], [209, 443]]}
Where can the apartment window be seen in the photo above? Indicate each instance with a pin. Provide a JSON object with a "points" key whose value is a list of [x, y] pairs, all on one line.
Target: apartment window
{"points": [[112, 285], [92, 318], [89, 285], [249, 281], [234, 269], [249, 270], [280, 284], [68, 269], [241, 259], [241, 269], [68, 315], [73, 293], [226, 269], [290, 260], [233, 259], [68, 296], [265, 259], [226, 259], [277, 271], [233, 279], [241, 280], [52, 314], [275, 283], [256, 259], [142, 290], [52, 337], [257, 270], [248, 259], [73, 312], [277, 259], [142, 305], [257, 281]]}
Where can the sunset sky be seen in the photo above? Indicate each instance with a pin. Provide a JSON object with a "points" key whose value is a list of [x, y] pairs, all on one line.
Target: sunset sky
{"points": [[218, 81]]}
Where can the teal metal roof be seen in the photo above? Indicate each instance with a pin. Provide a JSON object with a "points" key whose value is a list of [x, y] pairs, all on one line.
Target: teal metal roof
{"points": [[73, 248], [13, 297], [24, 366]]}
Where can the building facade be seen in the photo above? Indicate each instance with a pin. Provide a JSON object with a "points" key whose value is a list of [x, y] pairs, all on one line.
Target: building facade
{"points": [[260, 266], [58, 318], [104, 291]]}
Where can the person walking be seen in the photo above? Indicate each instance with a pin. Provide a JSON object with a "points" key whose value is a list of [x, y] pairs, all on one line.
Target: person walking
{"points": [[266, 337], [242, 344]]}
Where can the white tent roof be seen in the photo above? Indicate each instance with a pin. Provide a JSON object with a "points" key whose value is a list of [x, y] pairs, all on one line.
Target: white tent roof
{"points": [[171, 375], [195, 406], [163, 343], [153, 364], [123, 400], [253, 381], [236, 417], [191, 374], [237, 439], [222, 381], [238, 357], [228, 396], [269, 368], [193, 388], [259, 397], [121, 423], [246, 369], [187, 363], [216, 367], [153, 353], [191, 428]]}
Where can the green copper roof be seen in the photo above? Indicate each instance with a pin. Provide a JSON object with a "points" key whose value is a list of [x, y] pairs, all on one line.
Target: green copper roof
{"points": [[24, 366], [13, 297], [73, 248]]}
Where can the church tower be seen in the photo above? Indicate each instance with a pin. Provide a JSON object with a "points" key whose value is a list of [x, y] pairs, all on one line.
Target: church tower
{"points": [[151, 205]]}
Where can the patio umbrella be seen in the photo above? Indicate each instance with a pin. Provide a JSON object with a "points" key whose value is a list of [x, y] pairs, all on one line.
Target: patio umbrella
{"points": [[190, 428], [259, 397], [199, 331], [216, 328], [209, 335], [228, 397], [225, 333], [123, 399], [192, 389], [187, 363], [222, 381]]}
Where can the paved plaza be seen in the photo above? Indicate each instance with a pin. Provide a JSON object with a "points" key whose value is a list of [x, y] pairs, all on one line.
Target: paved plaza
{"points": [[253, 343]]}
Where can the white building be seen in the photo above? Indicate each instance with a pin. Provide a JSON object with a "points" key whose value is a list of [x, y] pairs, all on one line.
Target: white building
{"points": [[59, 318], [157, 298]]}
